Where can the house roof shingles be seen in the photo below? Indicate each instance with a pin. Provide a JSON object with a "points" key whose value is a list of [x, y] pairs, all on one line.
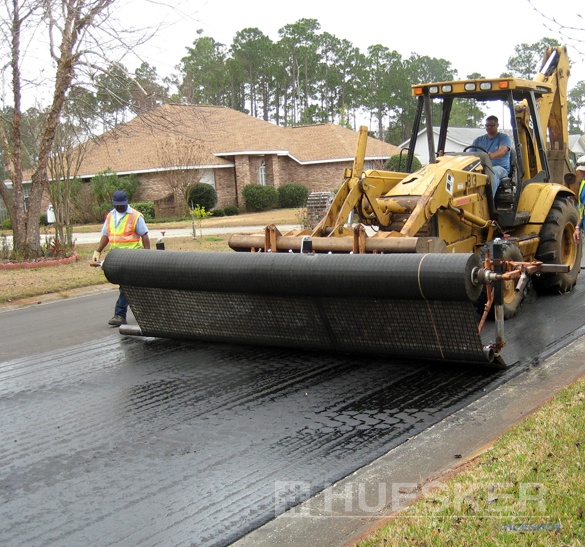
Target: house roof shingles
{"points": [[221, 133]]}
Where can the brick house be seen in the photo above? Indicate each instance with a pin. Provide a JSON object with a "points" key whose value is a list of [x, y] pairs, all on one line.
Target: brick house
{"points": [[227, 149]]}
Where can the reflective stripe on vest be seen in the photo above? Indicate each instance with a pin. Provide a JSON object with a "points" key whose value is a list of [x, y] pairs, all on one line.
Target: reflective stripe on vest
{"points": [[124, 235], [580, 197]]}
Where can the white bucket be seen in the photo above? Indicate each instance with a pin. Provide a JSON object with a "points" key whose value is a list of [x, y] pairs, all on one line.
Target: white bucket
{"points": [[51, 215]]}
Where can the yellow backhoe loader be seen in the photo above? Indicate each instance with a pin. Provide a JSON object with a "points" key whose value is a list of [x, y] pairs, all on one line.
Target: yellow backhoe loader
{"points": [[430, 249]]}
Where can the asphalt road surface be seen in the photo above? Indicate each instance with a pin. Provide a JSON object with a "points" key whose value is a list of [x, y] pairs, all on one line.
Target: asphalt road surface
{"points": [[111, 440]]}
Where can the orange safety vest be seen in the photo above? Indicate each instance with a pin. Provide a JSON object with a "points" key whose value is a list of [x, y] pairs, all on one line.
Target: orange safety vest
{"points": [[124, 235]]}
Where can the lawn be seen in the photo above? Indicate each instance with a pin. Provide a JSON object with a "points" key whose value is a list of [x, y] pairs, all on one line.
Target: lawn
{"points": [[527, 490]]}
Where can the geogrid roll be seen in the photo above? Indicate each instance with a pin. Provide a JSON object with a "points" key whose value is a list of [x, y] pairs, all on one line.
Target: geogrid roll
{"points": [[402, 305]]}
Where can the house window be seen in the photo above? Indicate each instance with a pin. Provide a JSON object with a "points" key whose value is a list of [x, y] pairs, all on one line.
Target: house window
{"points": [[262, 173], [207, 176], [26, 188], [3, 211]]}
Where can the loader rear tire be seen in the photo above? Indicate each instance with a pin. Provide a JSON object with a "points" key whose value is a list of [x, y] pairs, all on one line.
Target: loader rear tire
{"points": [[557, 247]]}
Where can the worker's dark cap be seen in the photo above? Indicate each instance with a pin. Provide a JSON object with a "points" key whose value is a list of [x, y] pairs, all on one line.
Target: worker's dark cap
{"points": [[120, 198]]}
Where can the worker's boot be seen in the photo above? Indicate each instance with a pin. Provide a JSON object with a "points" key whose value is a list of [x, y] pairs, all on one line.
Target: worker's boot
{"points": [[117, 320]]}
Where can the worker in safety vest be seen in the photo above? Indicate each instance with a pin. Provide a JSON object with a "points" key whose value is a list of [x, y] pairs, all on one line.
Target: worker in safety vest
{"points": [[124, 227], [580, 182]]}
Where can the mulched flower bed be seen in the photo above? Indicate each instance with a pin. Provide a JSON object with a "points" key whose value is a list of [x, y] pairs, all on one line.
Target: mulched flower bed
{"points": [[41, 262]]}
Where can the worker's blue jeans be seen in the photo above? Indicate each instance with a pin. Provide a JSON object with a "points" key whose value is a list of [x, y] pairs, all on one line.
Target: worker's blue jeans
{"points": [[121, 305]]}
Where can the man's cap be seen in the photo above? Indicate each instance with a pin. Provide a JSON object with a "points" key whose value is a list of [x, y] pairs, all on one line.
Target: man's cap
{"points": [[120, 198], [581, 164]]}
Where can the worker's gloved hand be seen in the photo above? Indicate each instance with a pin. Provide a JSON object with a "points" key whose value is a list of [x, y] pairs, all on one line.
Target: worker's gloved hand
{"points": [[96, 256]]}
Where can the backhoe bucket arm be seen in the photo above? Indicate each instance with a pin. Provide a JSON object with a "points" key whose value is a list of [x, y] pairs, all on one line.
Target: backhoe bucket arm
{"points": [[348, 195]]}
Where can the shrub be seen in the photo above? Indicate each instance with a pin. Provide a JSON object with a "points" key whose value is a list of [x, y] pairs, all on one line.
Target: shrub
{"points": [[86, 209], [231, 210], [7, 224], [398, 163], [292, 195], [146, 208], [105, 183], [43, 220], [202, 194], [260, 198], [218, 213]]}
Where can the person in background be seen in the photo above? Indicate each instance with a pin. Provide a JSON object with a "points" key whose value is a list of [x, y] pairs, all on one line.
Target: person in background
{"points": [[498, 146], [580, 170], [570, 181], [124, 227], [580, 184]]}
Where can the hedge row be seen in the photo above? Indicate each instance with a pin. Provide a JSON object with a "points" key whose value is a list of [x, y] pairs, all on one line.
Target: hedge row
{"points": [[146, 208], [261, 198]]}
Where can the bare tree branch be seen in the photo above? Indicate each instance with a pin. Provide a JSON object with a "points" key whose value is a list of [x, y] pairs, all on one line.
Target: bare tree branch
{"points": [[178, 156], [77, 33], [573, 35]]}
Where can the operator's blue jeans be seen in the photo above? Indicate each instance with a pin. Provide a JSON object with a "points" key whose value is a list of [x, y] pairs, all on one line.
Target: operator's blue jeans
{"points": [[499, 174], [121, 305]]}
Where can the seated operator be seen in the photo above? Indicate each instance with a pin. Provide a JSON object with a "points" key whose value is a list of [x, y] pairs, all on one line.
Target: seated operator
{"points": [[498, 146]]}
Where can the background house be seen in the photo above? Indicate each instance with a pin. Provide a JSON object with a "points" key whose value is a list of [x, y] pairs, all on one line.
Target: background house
{"points": [[185, 144], [577, 147], [457, 139], [224, 148]]}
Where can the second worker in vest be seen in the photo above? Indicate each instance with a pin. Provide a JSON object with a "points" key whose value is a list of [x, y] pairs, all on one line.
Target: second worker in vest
{"points": [[580, 183], [124, 227]]}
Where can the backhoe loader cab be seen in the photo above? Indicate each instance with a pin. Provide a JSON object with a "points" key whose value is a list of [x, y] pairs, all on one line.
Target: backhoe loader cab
{"points": [[520, 99], [427, 249]]}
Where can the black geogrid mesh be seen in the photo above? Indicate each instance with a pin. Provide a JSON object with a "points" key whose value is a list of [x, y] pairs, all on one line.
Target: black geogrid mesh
{"points": [[398, 328], [414, 306]]}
